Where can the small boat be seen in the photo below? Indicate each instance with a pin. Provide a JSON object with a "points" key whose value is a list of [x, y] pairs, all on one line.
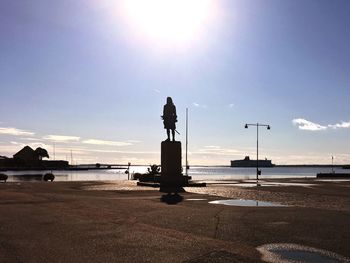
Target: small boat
{"points": [[49, 177], [3, 177]]}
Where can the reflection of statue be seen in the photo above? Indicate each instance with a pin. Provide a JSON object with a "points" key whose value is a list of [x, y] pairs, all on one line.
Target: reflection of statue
{"points": [[169, 117]]}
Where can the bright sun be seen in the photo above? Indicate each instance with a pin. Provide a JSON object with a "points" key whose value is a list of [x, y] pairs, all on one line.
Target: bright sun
{"points": [[176, 22]]}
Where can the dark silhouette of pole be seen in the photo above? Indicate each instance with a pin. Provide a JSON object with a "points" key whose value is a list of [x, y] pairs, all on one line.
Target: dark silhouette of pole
{"points": [[128, 171], [257, 146], [186, 140], [257, 153]]}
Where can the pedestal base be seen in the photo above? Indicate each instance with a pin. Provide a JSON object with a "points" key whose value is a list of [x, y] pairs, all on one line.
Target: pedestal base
{"points": [[171, 173]]}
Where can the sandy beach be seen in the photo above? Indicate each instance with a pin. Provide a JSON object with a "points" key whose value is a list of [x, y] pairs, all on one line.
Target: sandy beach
{"points": [[121, 222]]}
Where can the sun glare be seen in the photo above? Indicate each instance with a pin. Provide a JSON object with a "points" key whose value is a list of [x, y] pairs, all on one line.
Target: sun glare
{"points": [[175, 22]]}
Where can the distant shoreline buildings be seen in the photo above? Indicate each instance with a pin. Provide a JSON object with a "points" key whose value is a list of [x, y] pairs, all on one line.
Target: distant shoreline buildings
{"points": [[29, 159]]}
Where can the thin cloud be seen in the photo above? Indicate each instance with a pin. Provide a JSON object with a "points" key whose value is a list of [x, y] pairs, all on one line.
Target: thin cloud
{"points": [[342, 125], [32, 144], [310, 158], [61, 138], [156, 90], [15, 131], [217, 150], [123, 152], [231, 105], [212, 147], [106, 143], [30, 139], [308, 125], [133, 141], [199, 105], [311, 126]]}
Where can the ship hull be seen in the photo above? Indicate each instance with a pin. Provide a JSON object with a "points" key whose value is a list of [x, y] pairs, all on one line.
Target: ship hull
{"points": [[251, 163]]}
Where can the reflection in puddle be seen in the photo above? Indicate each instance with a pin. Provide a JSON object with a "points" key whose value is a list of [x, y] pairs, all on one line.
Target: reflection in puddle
{"points": [[196, 199], [246, 184], [273, 184], [252, 183], [285, 253], [244, 202], [289, 184]]}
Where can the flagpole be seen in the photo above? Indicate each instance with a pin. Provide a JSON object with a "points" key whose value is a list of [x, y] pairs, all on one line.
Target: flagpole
{"points": [[186, 141]]}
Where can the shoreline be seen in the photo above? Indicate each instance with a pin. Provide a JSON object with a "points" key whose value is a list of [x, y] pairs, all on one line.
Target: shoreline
{"points": [[84, 167]]}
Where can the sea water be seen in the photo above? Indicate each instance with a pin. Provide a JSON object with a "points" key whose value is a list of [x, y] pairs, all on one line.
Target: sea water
{"points": [[207, 173]]}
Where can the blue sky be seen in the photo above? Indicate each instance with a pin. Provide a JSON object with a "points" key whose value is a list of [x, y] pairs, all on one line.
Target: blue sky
{"points": [[87, 77]]}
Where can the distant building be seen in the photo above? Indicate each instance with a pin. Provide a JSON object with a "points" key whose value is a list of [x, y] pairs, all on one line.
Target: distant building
{"points": [[27, 158], [27, 154], [3, 161]]}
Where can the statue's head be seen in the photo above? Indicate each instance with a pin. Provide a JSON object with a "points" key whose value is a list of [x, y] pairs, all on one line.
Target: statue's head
{"points": [[169, 100]]}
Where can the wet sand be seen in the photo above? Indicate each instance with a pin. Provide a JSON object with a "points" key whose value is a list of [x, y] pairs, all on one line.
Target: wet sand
{"points": [[120, 222]]}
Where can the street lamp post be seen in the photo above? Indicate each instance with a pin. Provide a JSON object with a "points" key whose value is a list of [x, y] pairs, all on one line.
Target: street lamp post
{"points": [[257, 145]]}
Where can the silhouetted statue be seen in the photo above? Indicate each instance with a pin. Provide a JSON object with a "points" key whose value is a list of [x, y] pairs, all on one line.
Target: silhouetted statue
{"points": [[170, 118]]}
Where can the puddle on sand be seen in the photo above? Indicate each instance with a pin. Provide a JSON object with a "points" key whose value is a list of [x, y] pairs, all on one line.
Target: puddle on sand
{"points": [[246, 184], [267, 184], [289, 184], [244, 202], [196, 199], [289, 253]]}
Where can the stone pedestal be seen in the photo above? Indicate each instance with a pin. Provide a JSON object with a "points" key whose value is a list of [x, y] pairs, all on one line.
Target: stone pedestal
{"points": [[171, 173]]}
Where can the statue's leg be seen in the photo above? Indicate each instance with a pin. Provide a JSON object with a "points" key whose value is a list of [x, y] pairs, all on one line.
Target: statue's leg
{"points": [[173, 132], [168, 133]]}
